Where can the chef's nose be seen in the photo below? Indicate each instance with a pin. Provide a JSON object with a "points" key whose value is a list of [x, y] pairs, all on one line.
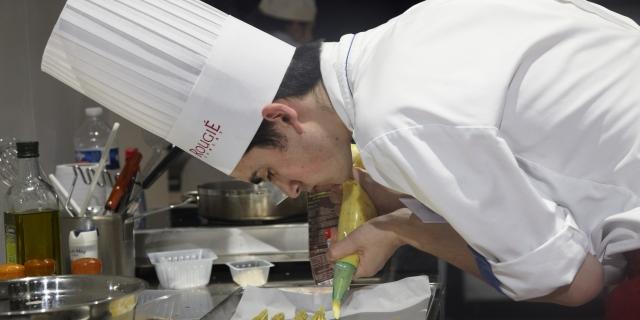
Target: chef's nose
{"points": [[290, 187]]}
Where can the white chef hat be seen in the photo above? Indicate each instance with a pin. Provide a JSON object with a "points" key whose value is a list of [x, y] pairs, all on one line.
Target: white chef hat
{"points": [[180, 69], [298, 10]]}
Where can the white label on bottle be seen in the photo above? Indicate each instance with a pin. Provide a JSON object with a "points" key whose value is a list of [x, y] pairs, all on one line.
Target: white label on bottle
{"points": [[78, 252]]}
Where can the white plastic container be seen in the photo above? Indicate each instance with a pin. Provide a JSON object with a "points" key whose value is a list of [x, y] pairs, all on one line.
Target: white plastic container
{"points": [[250, 273], [183, 269]]}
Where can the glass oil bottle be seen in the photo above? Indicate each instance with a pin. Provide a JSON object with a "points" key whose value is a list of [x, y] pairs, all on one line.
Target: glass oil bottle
{"points": [[32, 231]]}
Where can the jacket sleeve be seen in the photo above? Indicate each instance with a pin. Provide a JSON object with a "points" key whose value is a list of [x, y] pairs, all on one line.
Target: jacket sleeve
{"points": [[526, 245]]}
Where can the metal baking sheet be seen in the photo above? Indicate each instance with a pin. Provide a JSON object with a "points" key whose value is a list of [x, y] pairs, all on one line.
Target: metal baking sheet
{"points": [[226, 309]]}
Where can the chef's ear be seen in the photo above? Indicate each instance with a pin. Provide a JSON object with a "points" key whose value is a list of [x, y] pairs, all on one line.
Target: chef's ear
{"points": [[282, 112]]}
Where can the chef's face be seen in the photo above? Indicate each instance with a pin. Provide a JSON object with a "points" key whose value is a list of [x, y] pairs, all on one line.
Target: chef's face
{"points": [[316, 154], [308, 168]]}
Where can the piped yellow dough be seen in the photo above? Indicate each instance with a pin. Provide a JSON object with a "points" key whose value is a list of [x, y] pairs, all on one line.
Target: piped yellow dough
{"points": [[263, 315]]}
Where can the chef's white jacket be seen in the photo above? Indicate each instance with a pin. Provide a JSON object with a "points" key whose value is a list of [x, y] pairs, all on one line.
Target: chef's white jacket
{"points": [[518, 121]]}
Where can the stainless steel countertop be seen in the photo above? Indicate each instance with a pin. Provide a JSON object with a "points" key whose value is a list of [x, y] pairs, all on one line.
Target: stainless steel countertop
{"points": [[226, 309], [285, 243]]}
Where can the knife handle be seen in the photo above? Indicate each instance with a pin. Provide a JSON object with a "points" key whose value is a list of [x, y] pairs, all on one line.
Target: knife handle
{"points": [[131, 167]]}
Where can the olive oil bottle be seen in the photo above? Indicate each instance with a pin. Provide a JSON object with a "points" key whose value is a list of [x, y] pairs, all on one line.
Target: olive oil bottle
{"points": [[32, 231]]}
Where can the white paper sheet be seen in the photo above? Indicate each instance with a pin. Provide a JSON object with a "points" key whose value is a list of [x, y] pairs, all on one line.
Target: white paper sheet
{"points": [[404, 299]]}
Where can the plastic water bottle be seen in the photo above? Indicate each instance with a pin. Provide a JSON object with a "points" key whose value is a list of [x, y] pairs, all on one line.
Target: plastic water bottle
{"points": [[91, 137]]}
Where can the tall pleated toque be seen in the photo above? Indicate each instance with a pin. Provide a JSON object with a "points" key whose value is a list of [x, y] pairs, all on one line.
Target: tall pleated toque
{"points": [[180, 69]]}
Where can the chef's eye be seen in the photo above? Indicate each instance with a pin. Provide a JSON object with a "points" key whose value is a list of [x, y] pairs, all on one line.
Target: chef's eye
{"points": [[256, 180], [264, 176]]}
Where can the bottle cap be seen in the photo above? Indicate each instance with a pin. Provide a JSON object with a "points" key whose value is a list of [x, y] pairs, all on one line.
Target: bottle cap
{"points": [[93, 112], [82, 237], [86, 266], [27, 149], [10, 271]]}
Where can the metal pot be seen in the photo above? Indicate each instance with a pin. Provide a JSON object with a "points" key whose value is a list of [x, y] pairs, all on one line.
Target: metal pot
{"points": [[70, 297], [238, 200]]}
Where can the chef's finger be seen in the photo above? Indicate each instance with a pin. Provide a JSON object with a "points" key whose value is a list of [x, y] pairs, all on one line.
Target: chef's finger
{"points": [[340, 249]]}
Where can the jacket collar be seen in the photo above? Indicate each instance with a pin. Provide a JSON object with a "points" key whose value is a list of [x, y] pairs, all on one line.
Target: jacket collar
{"points": [[334, 68]]}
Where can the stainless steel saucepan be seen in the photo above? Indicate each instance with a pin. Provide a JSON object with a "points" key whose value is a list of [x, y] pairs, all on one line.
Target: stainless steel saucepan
{"points": [[238, 200]]}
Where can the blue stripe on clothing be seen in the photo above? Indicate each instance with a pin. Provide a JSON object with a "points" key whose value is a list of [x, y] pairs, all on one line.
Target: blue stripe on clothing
{"points": [[485, 271], [346, 63]]}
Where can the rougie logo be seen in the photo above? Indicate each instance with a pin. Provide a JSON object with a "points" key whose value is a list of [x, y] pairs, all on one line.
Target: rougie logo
{"points": [[207, 142]]}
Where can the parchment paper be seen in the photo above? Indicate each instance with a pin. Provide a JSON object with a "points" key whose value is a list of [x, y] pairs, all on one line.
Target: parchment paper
{"points": [[404, 299]]}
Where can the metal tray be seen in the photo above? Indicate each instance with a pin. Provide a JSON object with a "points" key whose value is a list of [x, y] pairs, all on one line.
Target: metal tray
{"points": [[70, 297], [226, 309]]}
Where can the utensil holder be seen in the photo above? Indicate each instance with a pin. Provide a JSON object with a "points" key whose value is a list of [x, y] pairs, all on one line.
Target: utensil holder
{"points": [[115, 242]]}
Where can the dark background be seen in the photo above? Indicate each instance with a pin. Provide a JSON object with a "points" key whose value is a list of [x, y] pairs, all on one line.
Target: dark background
{"points": [[337, 17]]}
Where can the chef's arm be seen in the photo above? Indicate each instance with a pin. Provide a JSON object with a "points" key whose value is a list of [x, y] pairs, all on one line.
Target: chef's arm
{"points": [[438, 239], [377, 240], [587, 284], [443, 241]]}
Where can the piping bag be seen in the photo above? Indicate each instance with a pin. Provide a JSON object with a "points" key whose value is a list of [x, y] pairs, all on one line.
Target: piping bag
{"points": [[356, 208]]}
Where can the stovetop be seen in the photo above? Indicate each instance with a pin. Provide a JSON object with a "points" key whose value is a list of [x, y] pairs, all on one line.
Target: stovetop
{"points": [[188, 217]]}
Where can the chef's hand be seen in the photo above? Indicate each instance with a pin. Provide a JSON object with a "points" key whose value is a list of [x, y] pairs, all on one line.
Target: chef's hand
{"points": [[375, 242]]}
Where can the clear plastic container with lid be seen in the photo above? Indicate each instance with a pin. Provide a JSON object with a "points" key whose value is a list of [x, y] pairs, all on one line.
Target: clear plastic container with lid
{"points": [[253, 273], [181, 269], [90, 138]]}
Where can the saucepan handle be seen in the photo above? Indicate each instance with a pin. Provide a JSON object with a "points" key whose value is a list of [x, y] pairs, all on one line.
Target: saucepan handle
{"points": [[191, 198]]}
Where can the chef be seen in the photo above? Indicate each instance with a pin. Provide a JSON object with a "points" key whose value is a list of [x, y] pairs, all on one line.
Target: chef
{"points": [[516, 121]]}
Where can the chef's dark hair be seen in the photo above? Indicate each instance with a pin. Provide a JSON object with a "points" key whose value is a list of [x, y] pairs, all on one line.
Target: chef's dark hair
{"points": [[302, 75]]}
